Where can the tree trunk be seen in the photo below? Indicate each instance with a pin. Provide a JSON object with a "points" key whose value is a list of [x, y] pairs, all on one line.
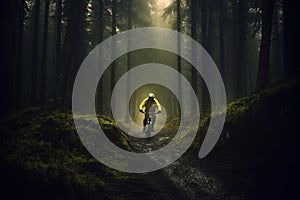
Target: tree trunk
{"points": [[264, 54], [101, 20], [19, 70], [235, 72], [34, 82], [194, 36], [204, 98], [44, 53], [176, 109], [239, 14], [129, 26], [113, 32], [114, 17], [11, 47], [57, 72], [242, 48], [194, 19], [12, 54], [56, 80], [221, 42], [100, 92], [204, 23], [291, 11], [277, 46], [74, 47], [210, 29]]}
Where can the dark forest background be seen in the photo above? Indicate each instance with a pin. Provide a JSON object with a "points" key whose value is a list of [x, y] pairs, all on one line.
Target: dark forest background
{"points": [[255, 45]]}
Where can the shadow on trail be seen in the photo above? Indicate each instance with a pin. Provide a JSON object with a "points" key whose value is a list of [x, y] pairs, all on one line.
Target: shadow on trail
{"points": [[184, 176]]}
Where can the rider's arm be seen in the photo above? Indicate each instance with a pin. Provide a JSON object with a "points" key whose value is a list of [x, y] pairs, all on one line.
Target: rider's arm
{"points": [[142, 104], [158, 104]]}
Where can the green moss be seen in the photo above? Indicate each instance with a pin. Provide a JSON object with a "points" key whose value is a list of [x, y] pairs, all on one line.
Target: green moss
{"points": [[247, 115], [45, 148]]}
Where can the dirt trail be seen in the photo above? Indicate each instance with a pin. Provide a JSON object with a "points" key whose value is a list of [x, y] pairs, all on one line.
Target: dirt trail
{"points": [[183, 179]]}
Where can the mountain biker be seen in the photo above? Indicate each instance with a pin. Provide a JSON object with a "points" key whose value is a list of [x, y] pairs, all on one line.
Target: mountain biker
{"points": [[151, 104]]}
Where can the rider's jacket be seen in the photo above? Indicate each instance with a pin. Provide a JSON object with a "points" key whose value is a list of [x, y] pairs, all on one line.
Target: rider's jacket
{"points": [[147, 103]]}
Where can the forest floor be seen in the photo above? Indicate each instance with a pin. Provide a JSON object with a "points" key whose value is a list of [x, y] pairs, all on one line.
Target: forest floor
{"points": [[43, 158], [186, 179]]}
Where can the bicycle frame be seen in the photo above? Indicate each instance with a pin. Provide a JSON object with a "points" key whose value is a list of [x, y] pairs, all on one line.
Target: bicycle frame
{"points": [[148, 125]]}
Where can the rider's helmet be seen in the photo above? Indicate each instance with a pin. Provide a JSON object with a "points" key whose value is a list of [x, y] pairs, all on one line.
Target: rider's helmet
{"points": [[151, 95]]}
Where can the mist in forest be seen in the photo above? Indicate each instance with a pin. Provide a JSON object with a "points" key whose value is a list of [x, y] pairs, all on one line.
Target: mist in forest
{"points": [[254, 46]]}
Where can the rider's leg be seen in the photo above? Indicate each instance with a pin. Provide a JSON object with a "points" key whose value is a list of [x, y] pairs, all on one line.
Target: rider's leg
{"points": [[145, 121], [153, 123], [144, 124]]}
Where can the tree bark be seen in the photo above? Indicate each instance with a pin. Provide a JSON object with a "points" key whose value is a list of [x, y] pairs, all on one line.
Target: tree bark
{"points": [[235, 72], [204, 23], [129, 26], [291, 12], [101, 20], [11, 47], [204, 98], [100, 92], [113, 32], [34, 81], [264, 54], [44, 53], [178, 10], [221, 41], [210, 29], [194, 36], [74, 47], [277, 45], [57, 71], [239, 14], [242, 48], [21, 16]]}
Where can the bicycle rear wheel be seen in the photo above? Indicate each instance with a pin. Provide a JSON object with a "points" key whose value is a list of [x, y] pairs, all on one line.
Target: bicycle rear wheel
{"points": [[148, 129]]}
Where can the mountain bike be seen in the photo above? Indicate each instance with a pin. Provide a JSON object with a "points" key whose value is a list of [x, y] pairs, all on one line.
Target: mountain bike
{"points": [[148, 122]]}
